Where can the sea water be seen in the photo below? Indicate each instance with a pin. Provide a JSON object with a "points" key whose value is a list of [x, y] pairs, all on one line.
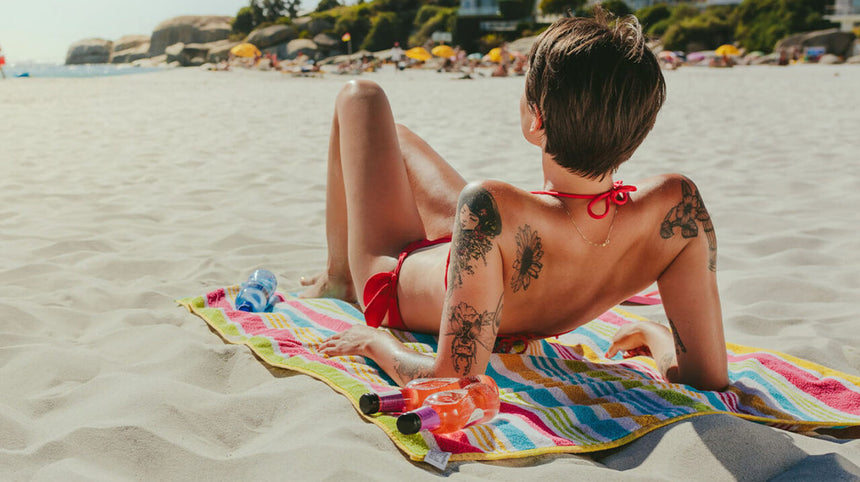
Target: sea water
{"points": [[44, 70]]}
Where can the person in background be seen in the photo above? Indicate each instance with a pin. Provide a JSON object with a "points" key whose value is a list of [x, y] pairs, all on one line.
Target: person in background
{"points": [[397, 57], [2, 63]]}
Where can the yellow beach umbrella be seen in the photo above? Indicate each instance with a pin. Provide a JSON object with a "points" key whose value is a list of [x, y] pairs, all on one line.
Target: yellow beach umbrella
{"points": [[495, 55], [419, 53], [246, 50], [442, 51], [727, 50]]}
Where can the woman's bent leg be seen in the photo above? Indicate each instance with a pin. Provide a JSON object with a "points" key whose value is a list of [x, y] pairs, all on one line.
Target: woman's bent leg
{"points": [[336, 280], [435, 184], [382, 215]]}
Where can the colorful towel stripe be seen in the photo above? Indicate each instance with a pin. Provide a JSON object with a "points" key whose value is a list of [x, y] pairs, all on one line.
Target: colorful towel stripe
{"points": [[556, 397]]}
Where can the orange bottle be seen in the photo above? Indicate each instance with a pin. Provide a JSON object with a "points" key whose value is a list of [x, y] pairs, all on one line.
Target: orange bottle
{"points": [[414, 393], [452, 410]]}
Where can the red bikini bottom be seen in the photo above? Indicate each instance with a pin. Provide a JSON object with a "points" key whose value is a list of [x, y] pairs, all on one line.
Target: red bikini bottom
{"points": [[380, 291]]}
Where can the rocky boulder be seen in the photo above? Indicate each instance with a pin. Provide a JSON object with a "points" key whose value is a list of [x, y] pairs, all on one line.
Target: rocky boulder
{"points": [[301, 45], [219, 50], [830, 59], [127, 42], [835, 42], [188, 30], [313, 25], [89, 51], [130, 54], [273, 35], [187, 55]]}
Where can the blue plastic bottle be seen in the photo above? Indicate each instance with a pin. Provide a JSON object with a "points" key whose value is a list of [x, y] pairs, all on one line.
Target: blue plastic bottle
{"points": [[258, 292]]}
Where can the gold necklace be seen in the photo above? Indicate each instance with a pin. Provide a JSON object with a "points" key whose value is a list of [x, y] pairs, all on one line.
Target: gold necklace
{"points": [[605, 243]]}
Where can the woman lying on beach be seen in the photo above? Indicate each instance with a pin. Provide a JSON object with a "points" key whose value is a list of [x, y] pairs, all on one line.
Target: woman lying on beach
{"points": [[505, 263]]}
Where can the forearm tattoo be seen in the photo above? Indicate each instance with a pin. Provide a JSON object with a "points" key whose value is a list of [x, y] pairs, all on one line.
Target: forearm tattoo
{"points": [[478, 222], [469, 328], [412, 368], [527, 263], [679, 345], [685, 215]]}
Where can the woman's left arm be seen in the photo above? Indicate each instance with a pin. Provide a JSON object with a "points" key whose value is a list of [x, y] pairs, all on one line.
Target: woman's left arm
{"points": [[473, 304]]}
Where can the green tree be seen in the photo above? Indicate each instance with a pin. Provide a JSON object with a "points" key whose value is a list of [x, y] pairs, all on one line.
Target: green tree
{"points": [[443, 19], [292, 7], [384, 31], [515, 9], [244, 22], [706, 31], [676, 15], [273, 9], [560, 6], [649, 16], [617, 7], [327, 5], [761, 23]]}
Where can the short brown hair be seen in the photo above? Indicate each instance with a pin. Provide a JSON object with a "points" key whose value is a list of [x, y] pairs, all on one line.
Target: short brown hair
{"points": [[598, 89]]}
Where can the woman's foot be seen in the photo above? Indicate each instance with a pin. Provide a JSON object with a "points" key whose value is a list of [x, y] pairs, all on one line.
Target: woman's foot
{"points": [[325, 286]]}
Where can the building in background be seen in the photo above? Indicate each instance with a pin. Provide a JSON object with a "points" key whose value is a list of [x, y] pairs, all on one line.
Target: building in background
{"points": [[846, 13]]}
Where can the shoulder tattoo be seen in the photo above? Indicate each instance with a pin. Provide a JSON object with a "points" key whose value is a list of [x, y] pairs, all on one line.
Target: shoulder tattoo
{"points": [[469, 328], [684, 216], [478, 222], [527, 263]]}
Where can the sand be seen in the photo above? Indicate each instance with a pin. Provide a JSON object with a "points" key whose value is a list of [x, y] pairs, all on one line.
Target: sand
{"points": [[121, 194]]}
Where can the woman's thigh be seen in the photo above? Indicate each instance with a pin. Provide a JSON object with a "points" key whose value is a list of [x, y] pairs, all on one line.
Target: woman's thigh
{"points": [[435, 184], [382, 215]]}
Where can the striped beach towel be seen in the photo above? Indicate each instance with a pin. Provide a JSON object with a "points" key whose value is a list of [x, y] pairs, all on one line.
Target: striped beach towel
{"points": [[556, 397]]}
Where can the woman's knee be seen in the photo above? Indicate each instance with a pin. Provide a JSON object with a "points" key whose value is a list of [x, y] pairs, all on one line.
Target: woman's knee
{"points": [[359, 91]]}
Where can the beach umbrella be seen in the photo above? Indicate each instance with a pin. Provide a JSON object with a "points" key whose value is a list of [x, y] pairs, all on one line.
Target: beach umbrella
{"points": [[442, 51], [727, 50], [495, 55], [246, 50], [419, 53]]}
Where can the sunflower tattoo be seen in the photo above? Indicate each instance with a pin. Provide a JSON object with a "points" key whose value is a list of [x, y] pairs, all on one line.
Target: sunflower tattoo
{"points": [[527, 264]]}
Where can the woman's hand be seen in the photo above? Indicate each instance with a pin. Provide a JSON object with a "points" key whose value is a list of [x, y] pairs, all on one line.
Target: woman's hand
{"points": [[354, 341], [633, 339]]}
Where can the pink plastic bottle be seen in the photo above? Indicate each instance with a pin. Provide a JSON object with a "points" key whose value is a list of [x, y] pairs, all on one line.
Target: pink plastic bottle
{"points": [[414, 393], [452, 410]]}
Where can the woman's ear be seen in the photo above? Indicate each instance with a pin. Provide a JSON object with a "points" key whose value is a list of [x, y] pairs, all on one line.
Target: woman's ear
{"points": [[537, 120]]}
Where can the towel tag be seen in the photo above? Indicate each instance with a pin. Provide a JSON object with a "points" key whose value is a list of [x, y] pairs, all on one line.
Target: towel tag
{"points": [[437, 458]]}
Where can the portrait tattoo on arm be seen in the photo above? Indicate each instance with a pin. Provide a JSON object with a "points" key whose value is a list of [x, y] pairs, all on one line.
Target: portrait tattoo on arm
{"points": [[527, 263], [684, 216], [679, 345], [478, 222], [469, 328]]}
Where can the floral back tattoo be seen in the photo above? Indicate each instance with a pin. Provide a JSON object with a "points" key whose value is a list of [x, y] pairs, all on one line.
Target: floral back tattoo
{"points": [[527, 263], [684, 216]]}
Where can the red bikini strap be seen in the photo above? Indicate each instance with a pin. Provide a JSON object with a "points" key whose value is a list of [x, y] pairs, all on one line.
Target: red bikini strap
{"points": [[617, 195]]}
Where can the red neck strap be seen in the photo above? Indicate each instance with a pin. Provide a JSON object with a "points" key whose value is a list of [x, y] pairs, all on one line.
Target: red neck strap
{"points": [[617, 195]]}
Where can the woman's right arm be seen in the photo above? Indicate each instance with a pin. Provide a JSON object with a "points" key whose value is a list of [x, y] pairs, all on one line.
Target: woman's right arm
{"points": [[688, 288], [693, 351]]}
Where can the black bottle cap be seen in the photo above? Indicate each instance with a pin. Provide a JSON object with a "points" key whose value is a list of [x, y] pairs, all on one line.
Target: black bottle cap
{"points": [[409, 423], [369, 403]]}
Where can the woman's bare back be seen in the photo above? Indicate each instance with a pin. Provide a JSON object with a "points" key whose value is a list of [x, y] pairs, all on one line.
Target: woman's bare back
{"points": [[556, 274]]}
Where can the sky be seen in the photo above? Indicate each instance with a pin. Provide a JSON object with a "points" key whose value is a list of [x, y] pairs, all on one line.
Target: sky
{"points": [[43, 30]]}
